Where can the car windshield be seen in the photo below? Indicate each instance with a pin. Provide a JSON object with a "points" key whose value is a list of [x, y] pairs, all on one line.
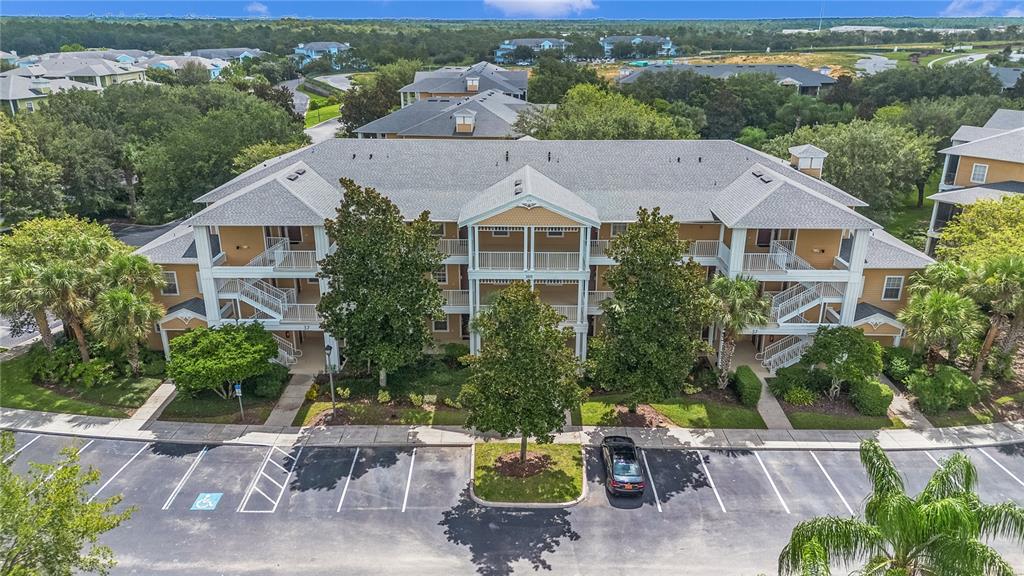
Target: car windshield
{"points": [[625, 468]]}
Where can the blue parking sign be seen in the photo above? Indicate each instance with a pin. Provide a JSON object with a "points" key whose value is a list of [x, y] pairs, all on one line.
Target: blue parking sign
{"points": [[207, 501]]}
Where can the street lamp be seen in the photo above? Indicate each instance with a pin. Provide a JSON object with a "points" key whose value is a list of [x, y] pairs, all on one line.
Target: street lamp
{"points": [[330, 375]]}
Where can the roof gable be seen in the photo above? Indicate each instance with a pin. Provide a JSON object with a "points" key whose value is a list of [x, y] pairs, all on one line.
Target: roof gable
{"points": [[528, 188]]}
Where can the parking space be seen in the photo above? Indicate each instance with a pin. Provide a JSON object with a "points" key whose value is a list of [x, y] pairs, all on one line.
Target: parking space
{"points": [[916, 467], [742, 482], [804, 483], [680, 480], [41, 450], [318, 481], [379, 479], [996, 481], [217, 480], [439, 478], [847, 473]]}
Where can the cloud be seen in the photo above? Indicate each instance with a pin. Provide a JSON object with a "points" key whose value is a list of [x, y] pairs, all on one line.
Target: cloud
{"points": [[960, 8], [541, 8], [1015, 12], [257, 9]]}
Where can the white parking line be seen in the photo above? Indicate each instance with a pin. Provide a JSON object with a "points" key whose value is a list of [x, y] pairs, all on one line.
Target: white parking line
{"points": [[282, 486], [255, 479], [181, 483], [1003, 468], [834, 487], [119, 470], [408, 480], [711, 481], [348, 480], [18, 451], [772, 482], [650, 478], [61, 467]]}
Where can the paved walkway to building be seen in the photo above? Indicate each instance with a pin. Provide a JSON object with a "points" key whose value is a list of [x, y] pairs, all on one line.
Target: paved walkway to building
{"points": [[291, 400], [682, 438], [767, 406], [155, 404], [903, 409]]}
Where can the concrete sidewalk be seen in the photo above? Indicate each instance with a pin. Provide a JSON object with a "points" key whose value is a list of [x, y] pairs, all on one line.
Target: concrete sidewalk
{"points": [[369, 436], [290, 401]]}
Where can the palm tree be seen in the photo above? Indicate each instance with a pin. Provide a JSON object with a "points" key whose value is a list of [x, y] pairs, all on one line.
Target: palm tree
{"points": [[998, 284], [132, 271], [72, 289], [939, 532], [122, 318], [24, 292], [947, 275], [737, 306], [940, 318]]}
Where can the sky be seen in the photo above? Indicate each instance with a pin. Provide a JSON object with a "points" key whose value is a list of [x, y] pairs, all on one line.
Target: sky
{"points": [[486, 9]]}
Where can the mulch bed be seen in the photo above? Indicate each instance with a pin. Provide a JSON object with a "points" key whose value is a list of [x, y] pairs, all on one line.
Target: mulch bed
{"points": [[716, 395], [510, 465], [644, 417], [841, 406]]}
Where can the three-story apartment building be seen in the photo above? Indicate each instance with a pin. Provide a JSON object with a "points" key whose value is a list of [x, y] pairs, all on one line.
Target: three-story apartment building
{"points": [[543, 212]]}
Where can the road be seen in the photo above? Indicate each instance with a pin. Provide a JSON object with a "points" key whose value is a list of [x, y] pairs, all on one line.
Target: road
{"points": [[339, 81], [8, 341], [322, 131], [333, 510], [300, 102]]}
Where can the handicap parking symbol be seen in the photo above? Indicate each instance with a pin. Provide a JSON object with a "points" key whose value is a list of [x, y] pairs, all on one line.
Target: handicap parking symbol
{"points": [[207, 501]]}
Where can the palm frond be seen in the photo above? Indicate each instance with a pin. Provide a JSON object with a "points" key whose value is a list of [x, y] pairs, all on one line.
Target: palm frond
{"points": [[1004, 520], [953, 516], [956, 476], [950, 555], [884, 477], [815, 559], [845, 540]]}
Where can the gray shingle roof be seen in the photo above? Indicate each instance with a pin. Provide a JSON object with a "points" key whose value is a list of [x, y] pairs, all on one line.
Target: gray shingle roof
{"points": [[1004, 119], [1007, 146], [799, 74], [178, 62], [140, 234], [683, 177], [971, 133], [865, 310], [318, 46], [536, 42], [532, 185], [971, 194], [176, 246], [617, 39], [494, 114], [21, 87], [886, 251], [194, 305], [1008, 77], [452, 79], [225, 53], [65, 67], [807, 151]]}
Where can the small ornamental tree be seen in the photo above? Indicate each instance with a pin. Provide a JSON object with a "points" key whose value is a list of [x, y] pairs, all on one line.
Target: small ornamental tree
{"points": [[50, 524], [216, 358], [998, 285], [381, 290], [652, 326], [525, 376], [985, 229], [940, 319], [845, 354]]}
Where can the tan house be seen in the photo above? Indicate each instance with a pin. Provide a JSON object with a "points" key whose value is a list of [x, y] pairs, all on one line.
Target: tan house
{"points": [[543, 212], [464, 81], [488, 115]]}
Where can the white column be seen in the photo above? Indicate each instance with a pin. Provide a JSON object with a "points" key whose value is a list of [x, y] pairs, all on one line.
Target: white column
{"points": [[533, 246], [474, 247], [165, 343], [930, 241], [321, 245], [945, 168], [526, 249], [737, 247], [584, 247], [858, 252], [581, 301], [207, 285]]}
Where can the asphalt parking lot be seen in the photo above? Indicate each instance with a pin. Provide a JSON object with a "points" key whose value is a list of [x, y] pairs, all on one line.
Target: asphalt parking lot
{"points": [[258, 510]]}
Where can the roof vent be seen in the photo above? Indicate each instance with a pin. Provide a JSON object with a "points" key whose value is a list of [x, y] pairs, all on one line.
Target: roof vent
{"points": [[765, 179], [517, 187], [506, 155], [700, 159], [757, 173], [292, 177], [549, 156], [300, 171]]}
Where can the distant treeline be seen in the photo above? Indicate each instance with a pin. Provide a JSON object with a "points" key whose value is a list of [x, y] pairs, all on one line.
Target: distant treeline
{"points": [[444, 42]]}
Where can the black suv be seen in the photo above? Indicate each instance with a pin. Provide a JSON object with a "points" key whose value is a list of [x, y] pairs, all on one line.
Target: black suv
{"points": [[622, 466]]}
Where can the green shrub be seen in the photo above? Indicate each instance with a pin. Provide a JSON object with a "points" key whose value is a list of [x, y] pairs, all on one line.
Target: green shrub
{"points": [[313, 393], [948, 389], [270, 383], [383, 396], [871, 397], [416, 399], [452, 403], [748, 386], [343, 393], [798, 376], [999, 365], [898, 363], [453, 351], [154, 368], [800, 396], [64, 367], [702, 378]]}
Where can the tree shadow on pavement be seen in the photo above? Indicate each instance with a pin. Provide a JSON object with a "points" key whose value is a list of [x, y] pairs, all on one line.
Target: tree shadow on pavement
{"points": [[324, 468], [498, 538]]}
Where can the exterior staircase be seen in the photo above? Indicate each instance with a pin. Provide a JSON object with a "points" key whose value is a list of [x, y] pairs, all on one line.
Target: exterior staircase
{"points": [[269, 301], [287, 353], [784, 352], [796, 300]]}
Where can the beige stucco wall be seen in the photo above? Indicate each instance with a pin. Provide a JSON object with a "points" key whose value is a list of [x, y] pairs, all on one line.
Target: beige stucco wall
{"points": [[241, 244], [874, 283], [818, 247], [998, 171], [188, 284], [699, 231], [519, 216]]}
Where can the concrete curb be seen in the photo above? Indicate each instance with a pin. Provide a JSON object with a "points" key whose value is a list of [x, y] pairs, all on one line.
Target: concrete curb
{"points": [[527, 505]]}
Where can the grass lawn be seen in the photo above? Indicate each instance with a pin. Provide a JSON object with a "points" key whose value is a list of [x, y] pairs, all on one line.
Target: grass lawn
{"points": [[959, 418], [819, 421], [209, 408], [561, 482], [314, 117], [911, 223], [18, 391], [685, 412]]}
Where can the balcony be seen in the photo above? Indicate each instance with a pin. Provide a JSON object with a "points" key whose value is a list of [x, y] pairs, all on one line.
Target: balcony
{"points": [[269, 303], [279, 257], [546, 261], [453, 247], [780, 258], [566, 311], [594, 299], [455, 298]]}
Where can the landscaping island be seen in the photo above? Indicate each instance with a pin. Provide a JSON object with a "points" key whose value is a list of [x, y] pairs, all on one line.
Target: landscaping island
{"points": [[552, 473]]}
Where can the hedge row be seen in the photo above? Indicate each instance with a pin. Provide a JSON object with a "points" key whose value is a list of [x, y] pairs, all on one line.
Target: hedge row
{"points": [[748, 386]]}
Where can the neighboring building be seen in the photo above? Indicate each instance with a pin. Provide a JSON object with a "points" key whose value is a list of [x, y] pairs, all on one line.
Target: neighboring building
{"points": [[120, 56], [1008, 77], [95, 71], [313, 50], [174, 63], [665, 46], [984, 162], [490, 115], [805, 80], [504, 51], [229, 54], [25, 94], [9, 58], [459, 81], [543, 212]]}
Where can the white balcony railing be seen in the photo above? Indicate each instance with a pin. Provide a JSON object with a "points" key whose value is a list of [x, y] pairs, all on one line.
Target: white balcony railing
{"points": [[779, 258], [569, 312], [556, 260], [703, 249], [595, 297], [599, 248], [455, 297], [453, 247], [300, 313], [279, 256], [500, 260]]}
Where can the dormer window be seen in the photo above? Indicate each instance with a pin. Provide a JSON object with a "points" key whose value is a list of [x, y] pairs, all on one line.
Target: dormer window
{"points": [[472, 84], [464, 122]]}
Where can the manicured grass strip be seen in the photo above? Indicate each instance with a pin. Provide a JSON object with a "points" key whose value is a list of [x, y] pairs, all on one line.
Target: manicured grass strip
{"points": [[959, 418], [127, 392], [691, 414], [600, 410], [18, 391], [209, 408], [561, 482], [314, 117], [373, 414], [816, 421]]}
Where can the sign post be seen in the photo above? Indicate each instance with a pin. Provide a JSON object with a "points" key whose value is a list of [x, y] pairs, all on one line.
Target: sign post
{"points": [[238, 392], [330, 376]]}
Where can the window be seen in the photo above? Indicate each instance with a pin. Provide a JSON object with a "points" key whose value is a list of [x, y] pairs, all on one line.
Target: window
{"points": [[294, 234], [979, 172], [438, 229], [441, 275], [499, 233], [313, 281], [893, 289], [556, 233], [171, 284], [950, 176], [441, 325], [618, 228], [764, 237]]}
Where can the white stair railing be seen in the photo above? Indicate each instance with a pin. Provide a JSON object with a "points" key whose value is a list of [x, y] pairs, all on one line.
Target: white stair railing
{"points": [[787, 356], [775, 347], [287, 346], [269, 257], [787, 303]]}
